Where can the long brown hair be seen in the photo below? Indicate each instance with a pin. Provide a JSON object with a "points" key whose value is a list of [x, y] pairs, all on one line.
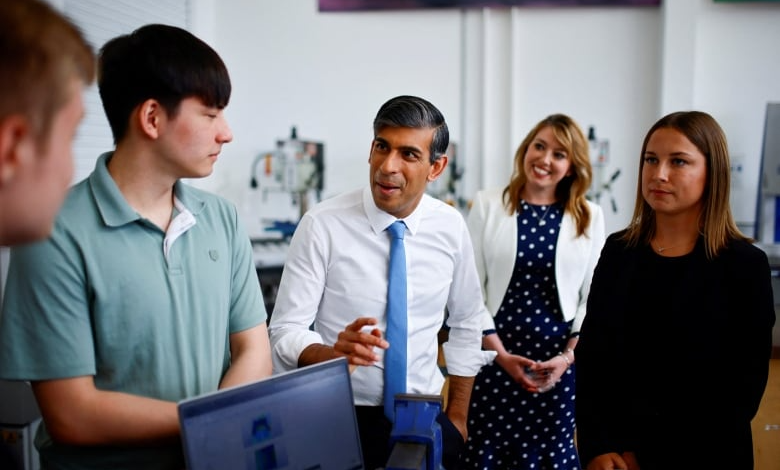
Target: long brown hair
{"points": [[571, 190], [716, 222]]}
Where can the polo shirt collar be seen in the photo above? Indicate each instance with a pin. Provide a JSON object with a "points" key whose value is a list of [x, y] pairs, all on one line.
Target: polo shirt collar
{"points": [[112, 205], [188, 197], [380, 220]]}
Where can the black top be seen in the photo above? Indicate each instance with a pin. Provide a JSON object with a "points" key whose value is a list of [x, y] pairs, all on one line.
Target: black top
{"points": [[673, 356]]}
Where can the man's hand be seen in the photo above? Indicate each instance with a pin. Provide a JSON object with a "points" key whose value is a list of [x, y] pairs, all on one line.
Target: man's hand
{"points": [[357, 343]]}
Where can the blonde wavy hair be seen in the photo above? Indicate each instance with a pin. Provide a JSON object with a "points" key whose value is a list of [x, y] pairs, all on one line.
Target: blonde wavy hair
{"points": [[571, 190]]}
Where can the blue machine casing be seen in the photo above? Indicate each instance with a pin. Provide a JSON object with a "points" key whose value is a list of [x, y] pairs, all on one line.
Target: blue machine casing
{"points": [[416, 433]]}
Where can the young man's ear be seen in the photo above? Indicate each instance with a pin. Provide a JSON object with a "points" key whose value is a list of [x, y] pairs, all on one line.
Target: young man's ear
{"points": [[14, 142], [149, 117], [437, 168]]}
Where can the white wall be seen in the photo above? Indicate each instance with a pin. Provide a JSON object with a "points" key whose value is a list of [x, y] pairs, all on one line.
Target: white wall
{"points": [[737, 71], [600, 66], [723, 59], [494, 73], [327, 74]]}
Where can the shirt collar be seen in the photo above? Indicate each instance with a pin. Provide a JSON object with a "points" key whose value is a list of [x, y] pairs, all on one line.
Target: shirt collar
{"points": [[112, 205], [380, 220]]}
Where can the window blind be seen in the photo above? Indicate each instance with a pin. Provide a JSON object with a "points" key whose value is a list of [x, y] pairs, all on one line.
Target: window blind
{"points": [[100, 21]]}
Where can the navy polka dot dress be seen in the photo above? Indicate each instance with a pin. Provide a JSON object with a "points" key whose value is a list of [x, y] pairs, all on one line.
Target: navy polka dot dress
{"points": [[510, 428]]}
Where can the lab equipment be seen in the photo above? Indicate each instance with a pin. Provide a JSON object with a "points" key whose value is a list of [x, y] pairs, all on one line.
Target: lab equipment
{"points": [[767, 228], [599, 160], [295, 166], [289, 179], [446, 187], [19, 420]]}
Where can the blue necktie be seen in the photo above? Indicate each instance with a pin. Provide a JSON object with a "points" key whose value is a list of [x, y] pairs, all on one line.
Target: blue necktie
{"points": [[395, 355]]}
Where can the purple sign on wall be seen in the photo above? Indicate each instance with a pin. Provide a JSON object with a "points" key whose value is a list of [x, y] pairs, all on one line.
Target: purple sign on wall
{"points": [[354, 5]]}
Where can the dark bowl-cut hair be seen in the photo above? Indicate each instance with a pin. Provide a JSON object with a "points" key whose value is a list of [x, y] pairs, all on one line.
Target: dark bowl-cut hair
{"points": [[160, 62], [415, 112]]}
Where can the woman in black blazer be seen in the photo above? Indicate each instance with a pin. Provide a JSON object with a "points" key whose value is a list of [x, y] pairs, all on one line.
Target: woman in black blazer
{"points": [[674, 351]]}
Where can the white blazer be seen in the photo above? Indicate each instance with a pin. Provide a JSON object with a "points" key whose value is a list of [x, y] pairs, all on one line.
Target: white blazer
{"points": [[494, 236]]}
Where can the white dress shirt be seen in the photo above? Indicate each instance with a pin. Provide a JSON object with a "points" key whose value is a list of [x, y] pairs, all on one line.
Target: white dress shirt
{"points": [[336, 271]]}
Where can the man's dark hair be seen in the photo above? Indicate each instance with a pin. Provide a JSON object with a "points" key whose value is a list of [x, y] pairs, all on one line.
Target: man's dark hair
{"points": [[159, 62]]}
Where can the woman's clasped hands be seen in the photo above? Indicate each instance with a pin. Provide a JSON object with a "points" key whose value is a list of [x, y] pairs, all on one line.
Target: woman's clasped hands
{"points": [[534, 376]]}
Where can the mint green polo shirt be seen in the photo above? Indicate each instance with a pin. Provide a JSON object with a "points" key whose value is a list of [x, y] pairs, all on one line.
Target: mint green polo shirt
{"points": [[100, 297]]}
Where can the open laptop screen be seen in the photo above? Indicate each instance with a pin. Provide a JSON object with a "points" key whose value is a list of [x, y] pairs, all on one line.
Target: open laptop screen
{"points": [[301, 419]]}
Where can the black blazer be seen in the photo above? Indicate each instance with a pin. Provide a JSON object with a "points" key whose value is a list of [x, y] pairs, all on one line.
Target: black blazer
{"points": [[673, 356]]}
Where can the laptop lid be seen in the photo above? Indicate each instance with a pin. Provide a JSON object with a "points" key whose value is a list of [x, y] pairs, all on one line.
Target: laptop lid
{"points": [[301, 419]]}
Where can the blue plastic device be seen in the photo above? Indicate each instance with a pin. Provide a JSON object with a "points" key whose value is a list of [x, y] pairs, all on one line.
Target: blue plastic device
{"points": [[416, 438]]}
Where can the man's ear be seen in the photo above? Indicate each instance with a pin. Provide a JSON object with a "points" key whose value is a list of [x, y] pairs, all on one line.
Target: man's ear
{"points": [[149, 116], [14, 137], [437, 168]]}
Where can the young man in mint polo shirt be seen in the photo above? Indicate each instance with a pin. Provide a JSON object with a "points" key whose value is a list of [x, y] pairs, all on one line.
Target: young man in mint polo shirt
{"points": [[146, 292]]}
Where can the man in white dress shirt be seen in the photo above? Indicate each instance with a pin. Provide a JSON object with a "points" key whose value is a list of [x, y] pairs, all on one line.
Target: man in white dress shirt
{"points": [[335, 278]]}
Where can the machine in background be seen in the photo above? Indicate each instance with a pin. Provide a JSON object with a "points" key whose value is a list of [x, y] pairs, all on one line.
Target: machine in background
{"points": [[446, 187], [599, 159], [296, 169], [295, 166], [767, 218], [19, 420]]}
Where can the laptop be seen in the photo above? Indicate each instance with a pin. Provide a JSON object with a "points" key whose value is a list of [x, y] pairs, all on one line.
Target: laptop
{"points": [[302, 419]]}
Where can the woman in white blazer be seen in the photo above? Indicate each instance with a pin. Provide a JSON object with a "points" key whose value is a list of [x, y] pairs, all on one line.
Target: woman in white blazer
{"points": [[537, 242]]}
